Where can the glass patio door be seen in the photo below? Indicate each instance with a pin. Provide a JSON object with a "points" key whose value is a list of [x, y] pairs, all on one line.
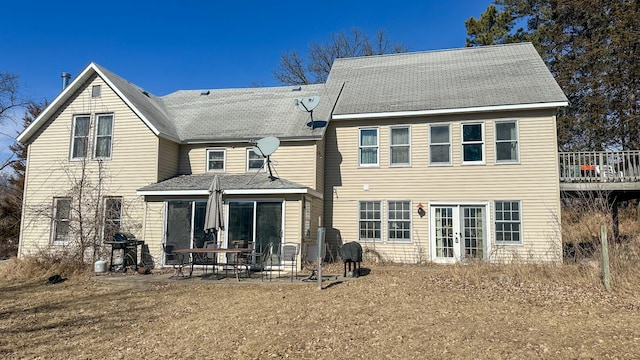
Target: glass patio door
{"points": [[458, 232], [259, 222], [185, 224]]}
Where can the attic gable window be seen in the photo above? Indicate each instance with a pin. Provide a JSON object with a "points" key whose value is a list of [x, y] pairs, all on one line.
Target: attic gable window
{"points": [[104, 134], [95, 91], [80, 137]]}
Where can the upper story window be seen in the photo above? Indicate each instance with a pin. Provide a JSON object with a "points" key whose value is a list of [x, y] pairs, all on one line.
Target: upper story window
{"points": [[508, 222], [215, 159], [61, 221], [400, 146], [254, 161], [368, 147], [95, 91], [112, 217], [440, 144], [104, 135], [507, 142], [399, 220], [473, 143], [370, 221], [80, 136]]}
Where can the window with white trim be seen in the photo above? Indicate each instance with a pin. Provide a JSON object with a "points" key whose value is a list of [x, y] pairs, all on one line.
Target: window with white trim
{"points": [[215, 159], [507, 141], [400, 146], [112, 217], [508, 222], [473, 143], [440, 144], [368, 147], [104, 136], [399, 220], [254, 161], [80, 136], [61, 221], [370, 220]]}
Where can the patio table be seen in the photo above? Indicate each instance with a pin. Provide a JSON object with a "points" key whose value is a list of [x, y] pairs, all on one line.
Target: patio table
{"points": [[204, 251]]}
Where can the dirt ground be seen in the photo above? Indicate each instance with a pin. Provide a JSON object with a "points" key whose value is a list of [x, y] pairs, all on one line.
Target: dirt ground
{"points": [[393, 312]]}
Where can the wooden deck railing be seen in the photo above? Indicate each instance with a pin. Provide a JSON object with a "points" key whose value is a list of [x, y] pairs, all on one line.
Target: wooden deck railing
{"points": [[600, 166]]}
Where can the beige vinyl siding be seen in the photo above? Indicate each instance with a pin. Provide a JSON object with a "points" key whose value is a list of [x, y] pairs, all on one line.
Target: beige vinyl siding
{"points": [[294, 161], [534, 181], [131, 166], [168, 154]]}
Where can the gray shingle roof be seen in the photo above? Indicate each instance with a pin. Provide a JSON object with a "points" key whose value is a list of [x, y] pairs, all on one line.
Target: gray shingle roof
{"points": [[148, 104], [199, 183], [237, 114], [448, 79]]}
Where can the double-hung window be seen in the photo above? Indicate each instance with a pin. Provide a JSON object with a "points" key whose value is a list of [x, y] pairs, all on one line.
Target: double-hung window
{"points": [[215, 159], [399, 220], [370, 220], [112, 216], [507, 142], [473, 143], [104, 135], [61, 221], [440, 144], [368, 147], [400, 146], [254, 161], [508, 220], [80, 136]]}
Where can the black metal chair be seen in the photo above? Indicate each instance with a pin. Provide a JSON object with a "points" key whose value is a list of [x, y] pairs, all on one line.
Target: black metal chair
{"points": [[289, 254], [176, 260]]}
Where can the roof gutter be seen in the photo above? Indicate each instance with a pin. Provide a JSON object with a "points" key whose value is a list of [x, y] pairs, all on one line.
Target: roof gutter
{"points": [[229, 192], [451, 111]]}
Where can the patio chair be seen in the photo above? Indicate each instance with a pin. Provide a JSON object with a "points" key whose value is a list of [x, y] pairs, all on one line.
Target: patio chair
{"points": [[269, 258], [209, 258], [289, 254], [176, 260]]}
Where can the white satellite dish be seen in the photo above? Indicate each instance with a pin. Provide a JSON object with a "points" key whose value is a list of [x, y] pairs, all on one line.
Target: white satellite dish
{"points": [[307, 103], [266, 146]]}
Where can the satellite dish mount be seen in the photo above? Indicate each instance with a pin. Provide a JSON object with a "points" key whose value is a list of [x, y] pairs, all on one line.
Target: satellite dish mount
{"points": [[307, 104], [265, 147]]}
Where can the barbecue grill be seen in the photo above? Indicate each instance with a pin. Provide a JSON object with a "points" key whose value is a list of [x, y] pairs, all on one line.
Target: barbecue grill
{"points": [[127, 244]]}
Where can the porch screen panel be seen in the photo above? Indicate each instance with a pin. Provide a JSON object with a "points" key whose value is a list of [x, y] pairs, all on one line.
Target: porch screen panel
{"points": [[268, 225], [178, 231]]}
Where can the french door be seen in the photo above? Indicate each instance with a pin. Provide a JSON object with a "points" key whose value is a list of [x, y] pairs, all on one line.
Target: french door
{"points": [[458, 232]]}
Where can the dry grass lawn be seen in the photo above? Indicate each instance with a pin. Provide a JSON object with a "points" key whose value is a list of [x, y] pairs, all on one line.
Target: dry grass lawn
{"points": [[394, 312]]}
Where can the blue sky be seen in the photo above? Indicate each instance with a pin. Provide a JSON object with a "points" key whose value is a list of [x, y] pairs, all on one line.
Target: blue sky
{"points": [[165, 46]]}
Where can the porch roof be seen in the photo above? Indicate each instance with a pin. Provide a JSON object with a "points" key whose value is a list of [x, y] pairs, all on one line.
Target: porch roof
{"points": [[231, 184]]}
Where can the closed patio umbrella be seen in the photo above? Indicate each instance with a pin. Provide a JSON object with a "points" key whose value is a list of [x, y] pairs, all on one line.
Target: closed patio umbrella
{"points": [[213, 216]]}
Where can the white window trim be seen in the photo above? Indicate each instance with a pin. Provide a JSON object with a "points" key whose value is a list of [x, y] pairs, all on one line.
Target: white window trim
{"points": [[73, 138], [54, 221], [381, 220], [495, 143], [391, 145], [449, 143], [250, 150], [401, 241], [377, 146], [224, 160], [95, 136], [508, 243], [482, 142]]}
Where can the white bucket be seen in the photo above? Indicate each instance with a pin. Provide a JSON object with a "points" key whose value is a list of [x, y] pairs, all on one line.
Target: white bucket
{"points": [[100, 266]]}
